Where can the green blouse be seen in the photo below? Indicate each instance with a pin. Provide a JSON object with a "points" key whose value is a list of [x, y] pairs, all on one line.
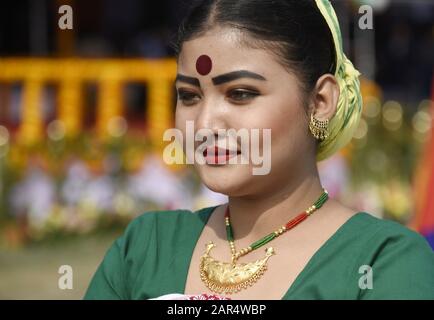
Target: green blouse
{"points": [[152, 259]]}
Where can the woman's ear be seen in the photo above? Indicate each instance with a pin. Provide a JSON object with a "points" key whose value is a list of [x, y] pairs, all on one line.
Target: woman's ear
{"points": [[325, 97]]}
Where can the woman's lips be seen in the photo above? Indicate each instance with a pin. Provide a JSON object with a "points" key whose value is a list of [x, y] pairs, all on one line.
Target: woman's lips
{"points": [[216, 155]]}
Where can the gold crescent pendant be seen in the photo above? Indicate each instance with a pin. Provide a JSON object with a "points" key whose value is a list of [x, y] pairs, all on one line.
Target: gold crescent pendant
{"points": [[223, 277]]}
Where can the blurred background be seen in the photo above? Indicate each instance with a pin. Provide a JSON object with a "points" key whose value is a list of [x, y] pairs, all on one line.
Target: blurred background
{"points": [[82, 112]]}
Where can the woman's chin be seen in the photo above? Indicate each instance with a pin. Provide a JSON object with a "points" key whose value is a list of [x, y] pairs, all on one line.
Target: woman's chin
{"points": [[228, 183]]}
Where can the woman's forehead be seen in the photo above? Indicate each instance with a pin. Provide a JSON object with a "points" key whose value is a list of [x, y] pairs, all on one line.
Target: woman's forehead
{"points": [[222, 51], [199, 58], [220, 44]]}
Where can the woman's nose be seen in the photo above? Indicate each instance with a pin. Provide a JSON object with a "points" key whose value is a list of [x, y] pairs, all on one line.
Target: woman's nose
{"points": [[211, 116]]}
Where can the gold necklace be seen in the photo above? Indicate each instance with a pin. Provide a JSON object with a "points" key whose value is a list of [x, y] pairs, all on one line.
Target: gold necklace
{"points": [[230, 277]]}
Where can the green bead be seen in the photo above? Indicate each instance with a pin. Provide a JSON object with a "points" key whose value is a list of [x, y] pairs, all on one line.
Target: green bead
{"points": [[263, 241], [321, 200], [229, 233]]}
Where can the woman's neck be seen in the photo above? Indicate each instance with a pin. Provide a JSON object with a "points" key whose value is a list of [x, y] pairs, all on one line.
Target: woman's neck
{"points": [[254, 217]]}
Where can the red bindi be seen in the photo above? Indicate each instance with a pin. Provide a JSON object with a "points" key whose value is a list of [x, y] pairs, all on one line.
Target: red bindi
{"points": [[204, 65]]}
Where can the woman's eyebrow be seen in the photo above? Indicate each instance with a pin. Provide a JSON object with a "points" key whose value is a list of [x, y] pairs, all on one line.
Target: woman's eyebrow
{"points": [[231, 76], [227, 77], [189, 80]]}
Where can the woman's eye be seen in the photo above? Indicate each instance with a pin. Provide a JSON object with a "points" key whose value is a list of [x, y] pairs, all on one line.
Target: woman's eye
{"points": [[242, 95], [188, 98]]}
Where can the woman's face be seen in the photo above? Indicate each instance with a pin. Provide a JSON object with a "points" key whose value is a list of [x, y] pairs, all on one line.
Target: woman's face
{"points": [[271, 99]]}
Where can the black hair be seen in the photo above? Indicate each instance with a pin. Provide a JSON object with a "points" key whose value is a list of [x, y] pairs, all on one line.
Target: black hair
{"points": [[295, 30]]}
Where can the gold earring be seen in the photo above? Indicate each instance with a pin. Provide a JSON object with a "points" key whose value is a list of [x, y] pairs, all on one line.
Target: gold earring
{"points": [[319, 128]]}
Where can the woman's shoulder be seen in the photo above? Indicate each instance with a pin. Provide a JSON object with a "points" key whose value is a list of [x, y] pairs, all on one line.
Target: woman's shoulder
{"points": [[147, 250], [364, 227], [382, 229], [165, 225], [169, 217], [389, 244], [401, 259]]}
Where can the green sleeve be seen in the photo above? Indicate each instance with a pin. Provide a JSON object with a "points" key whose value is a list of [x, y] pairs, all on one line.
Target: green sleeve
{"points": [[108, 282], [123, 261], [402, 266]]}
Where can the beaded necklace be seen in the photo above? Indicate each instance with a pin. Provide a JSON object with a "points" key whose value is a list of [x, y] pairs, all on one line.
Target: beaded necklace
{"points": [[224, 277]]}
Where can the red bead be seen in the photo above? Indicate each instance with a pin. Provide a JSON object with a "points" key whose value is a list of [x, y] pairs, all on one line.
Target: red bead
{"points": [[292, 223], [289, 225], [227, 212]]}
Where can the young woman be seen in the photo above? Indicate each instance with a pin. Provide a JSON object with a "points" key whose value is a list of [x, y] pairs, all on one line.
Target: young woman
{"points": [[279, 65]]}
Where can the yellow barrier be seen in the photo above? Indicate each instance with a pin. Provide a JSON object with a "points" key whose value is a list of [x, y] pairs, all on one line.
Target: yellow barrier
{"points": [[110, 76]]}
